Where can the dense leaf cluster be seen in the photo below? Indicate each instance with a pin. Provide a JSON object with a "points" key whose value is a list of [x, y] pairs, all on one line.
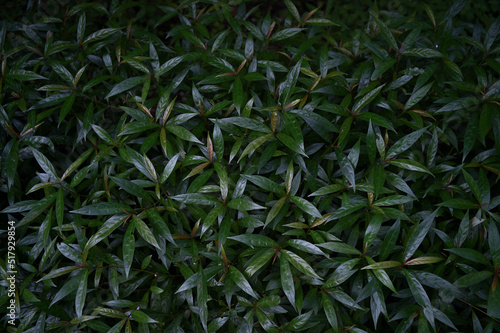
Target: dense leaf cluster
{"points": [[223, 168]]}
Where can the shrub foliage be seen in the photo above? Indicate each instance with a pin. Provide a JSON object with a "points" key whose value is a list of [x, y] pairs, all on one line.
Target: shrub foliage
{"points": [[222, 167]]}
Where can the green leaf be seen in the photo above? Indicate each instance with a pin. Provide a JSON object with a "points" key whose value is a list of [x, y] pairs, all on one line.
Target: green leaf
{"points": [[417, 96], [459, 204], [248, 123], [291, 143], [293, 10], [252, 146], [305, 246], [258, 261], [202, 297], [346, 210], [243, 204], [131, 188], [159, 225], [255, 240], [81, 294], [141, 317], [472, 279], [409, 165], [423, 53], [284, 34], [300, 321], [103, 135], [328, 189], [491, 35], [404, 143], [169, 168], [60, 271], [386, 33], [104, 231], [300, 264], [346, 167], [390, 240], [275, 210], [471, 254], [494, 303], [384, 265], [100, 34], [144, 231], [45, 164], [306, 206], [458, 104], [393, 200], [11, 163], [418, 235], [103, 208], [286, 88], [125, 85], [182, 133], [266, 184], [342, 273], [366, 99], [269, 301], [331, 314], [417, 290], [238, 94], [128, 248], [241, 281], [287, 280], [376, 119]]}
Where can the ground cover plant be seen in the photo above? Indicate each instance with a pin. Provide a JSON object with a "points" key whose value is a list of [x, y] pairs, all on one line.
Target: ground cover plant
{"points": [[215, 166]]}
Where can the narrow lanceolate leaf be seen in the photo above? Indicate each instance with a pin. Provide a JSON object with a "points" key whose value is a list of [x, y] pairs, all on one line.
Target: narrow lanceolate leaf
{"points": [[417, 290], [293, 10], [284, 34], [404, 143], [104, 231], [260, 259], [103, 208], [59, 271], [306, 206], [243, 204], [287, 87], [331, 314], [305, 246], [363, 101], [247, 123], [144, 231], [255, 240], [131, 188], [45, 164], [328, 189], [409, 165], [240, 280], [252, 146], [202, 297], [182, 133], [300, 264], [126, 85], [393, 200], [275, 210], [417, 96], [346, 167], [386, 33], [418, 235], [287, 280], [128, 248], [100, 34], [81, 294], [266, 184], [167, 171]]}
